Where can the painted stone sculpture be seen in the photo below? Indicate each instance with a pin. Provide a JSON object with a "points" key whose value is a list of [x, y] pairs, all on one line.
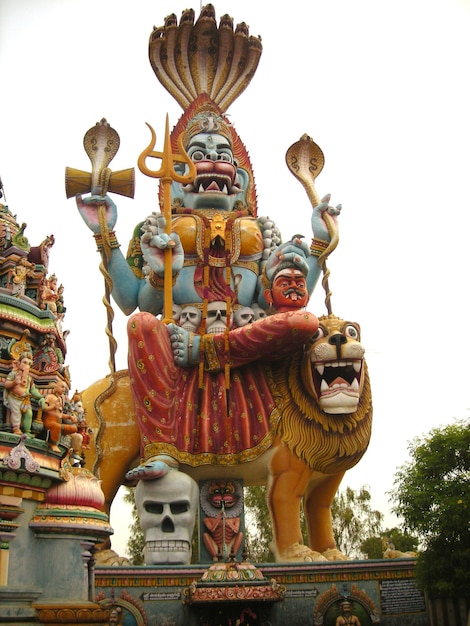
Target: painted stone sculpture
{"points": [[222, 326]]}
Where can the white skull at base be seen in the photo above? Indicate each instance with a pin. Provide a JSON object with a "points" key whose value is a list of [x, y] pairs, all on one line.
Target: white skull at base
{"points": [[190, 318], [216, 321], [167, 509]]}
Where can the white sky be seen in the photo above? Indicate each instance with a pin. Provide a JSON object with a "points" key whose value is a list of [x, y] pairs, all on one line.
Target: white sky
{"points": [[382, 87]]}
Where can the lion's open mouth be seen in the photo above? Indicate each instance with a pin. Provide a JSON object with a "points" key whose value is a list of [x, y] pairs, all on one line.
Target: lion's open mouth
{"points": [[333, 377], [213, 183]]}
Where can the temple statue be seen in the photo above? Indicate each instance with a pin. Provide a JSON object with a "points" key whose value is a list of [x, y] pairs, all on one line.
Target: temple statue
{"points": [[221, 297]]}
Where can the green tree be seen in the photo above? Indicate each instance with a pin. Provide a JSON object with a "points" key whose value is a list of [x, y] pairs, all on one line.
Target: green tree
{"points": [[135, 542], [354, 520], [431, 493], [257, 525], [373, 547]]}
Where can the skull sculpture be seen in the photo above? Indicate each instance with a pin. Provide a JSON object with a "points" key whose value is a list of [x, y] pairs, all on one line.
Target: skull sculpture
{"points": [[258, 312], [244, 316], [176, 312], [216, 321], [167, 509], [190, 318]]}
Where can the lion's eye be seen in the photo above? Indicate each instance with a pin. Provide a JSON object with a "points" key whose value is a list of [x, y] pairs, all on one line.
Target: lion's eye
{"points": [[352, 332], [318, 335]]}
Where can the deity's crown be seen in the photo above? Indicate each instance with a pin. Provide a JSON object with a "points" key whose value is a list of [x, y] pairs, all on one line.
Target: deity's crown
{"points": [[208, 119]]}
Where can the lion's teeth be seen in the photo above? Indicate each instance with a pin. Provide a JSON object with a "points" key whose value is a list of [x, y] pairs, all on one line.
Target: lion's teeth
{"points": [[324, 386], [225, 190], [357, 366], [320, 369], [201, 189], [355, 385]]}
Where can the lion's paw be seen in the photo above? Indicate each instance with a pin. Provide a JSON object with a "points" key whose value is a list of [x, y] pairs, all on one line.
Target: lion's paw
{"points": [[110, 557], [297, 552], [333, 554]]}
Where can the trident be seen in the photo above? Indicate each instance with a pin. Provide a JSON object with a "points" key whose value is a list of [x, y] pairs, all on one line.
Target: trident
{"points": [[168, 174]]}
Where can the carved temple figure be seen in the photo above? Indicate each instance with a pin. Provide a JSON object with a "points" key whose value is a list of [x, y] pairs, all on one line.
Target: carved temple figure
{"points": [[21, 272], [49, 357], [55, 421], [347, 618], [206, 392], [18, 391], [222, 503], [50, 294]]}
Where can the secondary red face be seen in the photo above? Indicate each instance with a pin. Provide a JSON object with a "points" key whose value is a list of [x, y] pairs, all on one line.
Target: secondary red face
{"points": [[289, 290]]}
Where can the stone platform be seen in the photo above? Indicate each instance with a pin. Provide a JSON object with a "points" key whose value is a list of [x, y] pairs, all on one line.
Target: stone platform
{"points": [[381, 592]]}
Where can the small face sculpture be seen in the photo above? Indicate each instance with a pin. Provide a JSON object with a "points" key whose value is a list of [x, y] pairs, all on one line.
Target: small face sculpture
{"points": [[258, 311], [243, 316], [288, 291], [25, 364], [190, 318], [167, 509], [217, 318], [175, 312]]}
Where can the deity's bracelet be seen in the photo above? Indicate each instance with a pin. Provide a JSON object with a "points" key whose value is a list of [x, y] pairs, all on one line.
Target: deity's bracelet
{"points": [[158, 282], [111, 240], [318, 247]]}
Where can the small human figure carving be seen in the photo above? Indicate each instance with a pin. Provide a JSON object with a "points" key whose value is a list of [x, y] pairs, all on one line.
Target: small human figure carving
{"points": [[54, 419], [347, 616], [21, 272], [19, 389], [78, 410], [50, 294]]}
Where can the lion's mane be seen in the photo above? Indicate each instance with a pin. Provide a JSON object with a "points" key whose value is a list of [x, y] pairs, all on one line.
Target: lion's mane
{"points": [[326, 443]]}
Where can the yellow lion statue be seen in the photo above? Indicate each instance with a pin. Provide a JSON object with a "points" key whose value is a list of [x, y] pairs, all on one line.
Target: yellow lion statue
{"points": [[324, 400]]}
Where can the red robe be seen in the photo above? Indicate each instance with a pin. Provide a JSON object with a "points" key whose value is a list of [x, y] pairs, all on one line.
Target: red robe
{"points": [[220, 423]]}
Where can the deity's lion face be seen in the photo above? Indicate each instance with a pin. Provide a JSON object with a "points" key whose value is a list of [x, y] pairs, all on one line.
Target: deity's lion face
{"points": [[218, 183], [335, 365]]}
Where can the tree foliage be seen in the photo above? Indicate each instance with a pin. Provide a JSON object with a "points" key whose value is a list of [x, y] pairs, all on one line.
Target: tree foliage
{"points": [[258, 525], [135, 541], [373, 547], [431, 493], [354, 520]]}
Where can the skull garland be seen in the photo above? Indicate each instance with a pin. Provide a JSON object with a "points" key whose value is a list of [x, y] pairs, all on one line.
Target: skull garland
{"points": [[216, 321], [243, 316], [258, 312], [190, 318], [167, 509]]}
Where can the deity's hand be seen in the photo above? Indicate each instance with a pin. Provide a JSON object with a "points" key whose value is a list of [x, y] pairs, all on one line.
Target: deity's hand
{"points": [[185, 345], [89, 210], [155, 241], [292, 253], [319, 226]]}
